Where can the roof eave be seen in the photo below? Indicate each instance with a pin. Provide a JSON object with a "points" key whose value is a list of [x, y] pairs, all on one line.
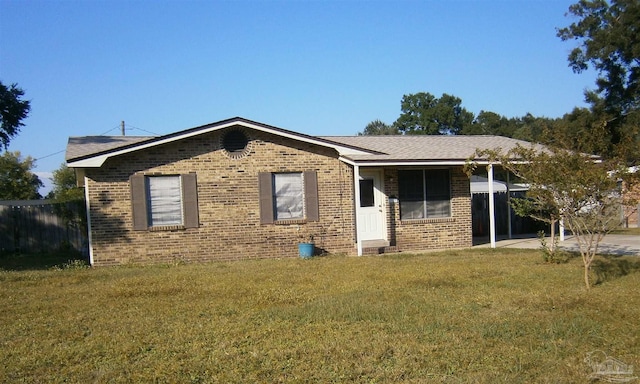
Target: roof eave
{"points": [[91, 162], [403, 162], [96, 160]]}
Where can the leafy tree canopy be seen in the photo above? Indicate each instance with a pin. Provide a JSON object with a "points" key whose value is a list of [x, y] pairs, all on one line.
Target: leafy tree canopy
{"points": [[64, 185], [69, 197], [17, 182], [609, 41], [425, 114], [490, 123], [378, 127], [12, 111]]}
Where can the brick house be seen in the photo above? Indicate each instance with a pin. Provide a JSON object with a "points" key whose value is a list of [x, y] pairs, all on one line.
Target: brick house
{"points": [[239, 189]]}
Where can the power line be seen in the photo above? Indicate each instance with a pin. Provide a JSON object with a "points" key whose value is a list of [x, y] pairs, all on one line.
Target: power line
{"points": [[143, 130], [53, 154], [102, 134]]}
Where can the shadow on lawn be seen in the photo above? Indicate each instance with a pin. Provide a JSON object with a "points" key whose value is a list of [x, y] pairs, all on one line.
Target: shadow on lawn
{"points": [[612, 267], [41, 260]]}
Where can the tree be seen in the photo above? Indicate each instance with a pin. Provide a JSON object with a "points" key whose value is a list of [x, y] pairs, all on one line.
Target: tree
{"points": [[424, 114], [609, 41], [64, 185], [12, 111], [570, 132], [378, 127], [17, 182], [490, 123], [70, 200], [569, 185]]}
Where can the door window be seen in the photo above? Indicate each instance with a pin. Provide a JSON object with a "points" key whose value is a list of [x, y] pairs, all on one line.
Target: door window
{"points": [[366, 193]]}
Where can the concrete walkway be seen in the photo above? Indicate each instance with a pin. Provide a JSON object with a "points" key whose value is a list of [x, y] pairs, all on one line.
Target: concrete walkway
{"points": [[611, 244]]}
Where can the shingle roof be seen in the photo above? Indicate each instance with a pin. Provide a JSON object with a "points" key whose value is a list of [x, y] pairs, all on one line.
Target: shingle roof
{"points": [[364, 149], [89, 145], [92, 151], [425, 147]]}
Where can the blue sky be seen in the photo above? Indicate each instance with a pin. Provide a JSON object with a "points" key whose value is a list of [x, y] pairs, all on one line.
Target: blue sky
{"points": [[317, 67]]}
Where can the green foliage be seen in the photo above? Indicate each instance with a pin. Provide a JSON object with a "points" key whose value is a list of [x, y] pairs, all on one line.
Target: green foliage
{"points": [[490, 123], [65, 186], [581, 190], [12, 111], [609, 42], [552, 253], [481, 316], [378, 127], [69, 197], [72, 264], [424, 114], [17, 182], [582, 129], [56, 259]]}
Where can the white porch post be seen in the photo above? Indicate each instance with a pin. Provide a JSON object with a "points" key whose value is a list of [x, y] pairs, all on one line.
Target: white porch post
{"points": [[88, 206], [356, 189], [510, 234], [492, 213]]}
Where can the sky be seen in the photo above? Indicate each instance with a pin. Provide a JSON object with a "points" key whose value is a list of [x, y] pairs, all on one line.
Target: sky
{"points": [[315, 67]]}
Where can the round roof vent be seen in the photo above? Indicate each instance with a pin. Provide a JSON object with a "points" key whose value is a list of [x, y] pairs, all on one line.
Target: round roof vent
{"points": [[235, 143]]}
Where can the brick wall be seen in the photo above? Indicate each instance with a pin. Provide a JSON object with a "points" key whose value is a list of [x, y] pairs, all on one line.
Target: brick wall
{"points": [[416, 235], [228, 202], [631, 210]]}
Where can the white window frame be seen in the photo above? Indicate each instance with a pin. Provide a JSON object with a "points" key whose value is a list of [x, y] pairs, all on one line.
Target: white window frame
{"points": [[164, 200], [288, 197]]}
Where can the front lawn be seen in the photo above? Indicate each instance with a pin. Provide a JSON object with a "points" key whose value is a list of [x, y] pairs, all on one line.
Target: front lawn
{"points": [[481, 316]]}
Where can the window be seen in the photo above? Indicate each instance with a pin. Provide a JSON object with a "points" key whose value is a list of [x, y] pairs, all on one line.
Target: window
{"points": [[288, 196], [164, 201], [424, 194], [367, 194]]}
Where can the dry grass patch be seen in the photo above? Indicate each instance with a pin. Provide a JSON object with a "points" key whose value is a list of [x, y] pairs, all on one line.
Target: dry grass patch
{"points": [[467, 316]]}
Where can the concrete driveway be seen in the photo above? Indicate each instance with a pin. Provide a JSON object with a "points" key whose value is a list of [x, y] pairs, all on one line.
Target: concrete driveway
{"points": [[611, 244]]}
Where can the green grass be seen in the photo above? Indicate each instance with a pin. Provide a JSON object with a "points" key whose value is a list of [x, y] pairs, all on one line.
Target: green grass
{"points": [[627, 231], [481, 316], [62, 258]]}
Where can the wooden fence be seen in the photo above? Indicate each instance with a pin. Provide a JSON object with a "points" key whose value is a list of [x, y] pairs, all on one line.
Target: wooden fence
{"points": [[41, 226]]}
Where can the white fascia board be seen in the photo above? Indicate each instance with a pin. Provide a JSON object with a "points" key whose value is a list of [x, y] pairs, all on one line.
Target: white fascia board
{"points": [[97, 161], [347, 161], [92, 162], [401, 163]]}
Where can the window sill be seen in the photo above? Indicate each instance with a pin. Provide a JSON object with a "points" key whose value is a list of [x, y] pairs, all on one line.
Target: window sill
{"points": [[429, 221], [167, 228], [290, 221]]}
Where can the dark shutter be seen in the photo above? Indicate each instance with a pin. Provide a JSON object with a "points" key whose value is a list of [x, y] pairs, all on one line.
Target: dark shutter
{"points": [[139, 202], [190, 201], [265, 187], [311, 196]]}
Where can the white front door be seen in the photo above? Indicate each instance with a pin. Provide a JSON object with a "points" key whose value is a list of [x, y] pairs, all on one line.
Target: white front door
{"points": [[371, 212]]}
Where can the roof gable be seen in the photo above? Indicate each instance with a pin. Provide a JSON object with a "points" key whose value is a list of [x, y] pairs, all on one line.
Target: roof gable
{"points": [[93, 151]]}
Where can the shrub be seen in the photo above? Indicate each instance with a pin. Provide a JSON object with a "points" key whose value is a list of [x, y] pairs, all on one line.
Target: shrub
{"points": [[552, 254]]}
